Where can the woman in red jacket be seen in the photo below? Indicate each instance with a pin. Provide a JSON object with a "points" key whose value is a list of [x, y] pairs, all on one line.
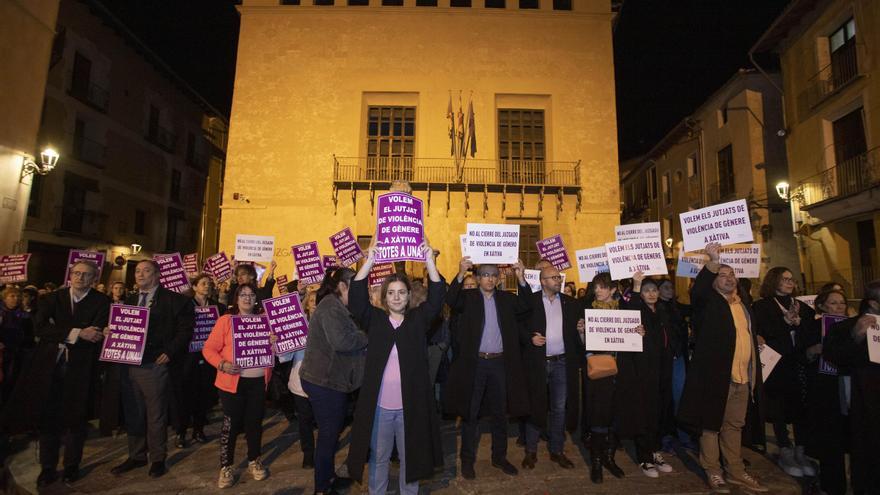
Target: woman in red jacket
{"points": [[242, 391]]}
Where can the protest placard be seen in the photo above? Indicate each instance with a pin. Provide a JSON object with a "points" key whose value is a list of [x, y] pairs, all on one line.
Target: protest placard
{"points": [[612, 330], [727, 223], [77, 255], [288, 322], [172, 275], [309, 266], [281, 282], [128, 335], [648, 230], [638, 255], [533, 278], [591, 262], [745, 259], [690, 264], [13, 268], [827, 322], [769, 358], [329, 261], [553, 250], [254, 247], [346, 247], [399, 228], [206, 318], [219, 267], [809, 300], [379, 273], [462, 238], [251, 347], [874, 340], [493, 243], [191, 264]]}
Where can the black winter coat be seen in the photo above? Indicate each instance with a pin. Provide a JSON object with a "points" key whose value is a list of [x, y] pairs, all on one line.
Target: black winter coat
{"points": [[424, 450], [169, 330]]}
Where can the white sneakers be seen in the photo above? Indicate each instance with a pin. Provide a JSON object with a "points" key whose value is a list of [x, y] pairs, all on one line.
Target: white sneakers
{"points": [[660, 463], [803, 462], [227, 477], [256, 469], [649, 470]]}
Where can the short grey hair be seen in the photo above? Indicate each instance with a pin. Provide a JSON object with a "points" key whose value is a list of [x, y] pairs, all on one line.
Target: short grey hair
{"points": [[488, 268]]}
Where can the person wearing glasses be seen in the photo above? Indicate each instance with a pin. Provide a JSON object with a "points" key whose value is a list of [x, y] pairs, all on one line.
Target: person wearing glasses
{"points": [[487, 374], [781, 320]]}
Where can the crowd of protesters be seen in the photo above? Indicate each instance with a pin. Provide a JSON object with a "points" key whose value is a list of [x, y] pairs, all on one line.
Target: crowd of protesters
{"points": [[394, 360]]}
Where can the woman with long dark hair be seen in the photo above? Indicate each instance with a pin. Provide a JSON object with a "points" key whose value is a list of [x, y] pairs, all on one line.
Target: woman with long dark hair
{"points": [[332, 368]]}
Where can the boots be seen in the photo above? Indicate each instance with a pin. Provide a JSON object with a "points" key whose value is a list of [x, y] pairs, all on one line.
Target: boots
{"points": [[788, 463], [608, 459], [597, 450]]}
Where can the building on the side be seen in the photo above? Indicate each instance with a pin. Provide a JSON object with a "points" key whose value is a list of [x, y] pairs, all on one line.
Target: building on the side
{"points": [[336, 99], [139, 149], [831, 83], [26, 33], [729, 148]]}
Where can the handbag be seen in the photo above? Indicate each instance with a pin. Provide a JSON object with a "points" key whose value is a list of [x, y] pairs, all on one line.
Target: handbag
{"points": [[601, 366]]}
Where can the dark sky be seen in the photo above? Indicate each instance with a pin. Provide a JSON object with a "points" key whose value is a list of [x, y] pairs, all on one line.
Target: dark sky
{"points": [[669, 54]]}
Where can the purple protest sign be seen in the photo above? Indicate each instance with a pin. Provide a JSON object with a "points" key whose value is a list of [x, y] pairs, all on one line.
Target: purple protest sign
{"points": [[77, 255], [399, 228], [281, 282], [250, 342], [329, 261], [828, 321], [309, 266], [288, 322], [379, 273], [128, 335], [172, 275], [346, 247], [219, 267], [191, 264], [206, 317], [553, 250], [13, 268]]}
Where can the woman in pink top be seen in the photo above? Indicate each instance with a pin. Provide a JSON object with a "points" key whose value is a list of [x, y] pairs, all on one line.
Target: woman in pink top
{"points": [[396, 401]]}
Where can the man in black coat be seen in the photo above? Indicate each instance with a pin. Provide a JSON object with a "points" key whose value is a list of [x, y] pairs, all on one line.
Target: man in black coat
{"points": [[725, 374], [58, 391], [487, 375], [553, 358], [145, 388]]}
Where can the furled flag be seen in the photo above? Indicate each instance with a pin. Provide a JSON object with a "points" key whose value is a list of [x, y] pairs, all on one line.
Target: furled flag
{"points": [[450, 114], [460, 130], [472, 130]]}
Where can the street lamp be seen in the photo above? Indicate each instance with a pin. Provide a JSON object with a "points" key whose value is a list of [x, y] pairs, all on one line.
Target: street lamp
{"points": [[782, 190], [48, 160]]}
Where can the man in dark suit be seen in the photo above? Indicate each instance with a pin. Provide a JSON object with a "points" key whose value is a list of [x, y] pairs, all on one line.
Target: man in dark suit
{"points": [[487, 374], [145, 388], [553, 357], [58, 391]]}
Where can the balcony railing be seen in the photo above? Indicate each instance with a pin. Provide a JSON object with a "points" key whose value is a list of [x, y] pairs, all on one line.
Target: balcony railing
{"points": [[531, 173], [89, 151], [721, 191], [859, 173], [89, 93], [843, 69], [79, 222], [162, 138]]}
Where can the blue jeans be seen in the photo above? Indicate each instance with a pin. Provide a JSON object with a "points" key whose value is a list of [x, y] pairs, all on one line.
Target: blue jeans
{"points": [[556, 418], [678, 376], [388, 430], [329, 407]]}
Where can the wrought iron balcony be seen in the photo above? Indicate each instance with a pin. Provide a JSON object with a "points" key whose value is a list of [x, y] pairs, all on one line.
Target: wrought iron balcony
{"points": [[843, 69], [79, 222], [89, 151], [88, 92], [442, 173], [721, 191], [859, 173]]}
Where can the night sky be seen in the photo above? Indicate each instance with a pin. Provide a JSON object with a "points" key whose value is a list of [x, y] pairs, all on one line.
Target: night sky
{"points": [[669, 54]]}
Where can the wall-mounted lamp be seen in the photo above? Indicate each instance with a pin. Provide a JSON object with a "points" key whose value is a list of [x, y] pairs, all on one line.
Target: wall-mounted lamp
{"points": [[782, 189], [135, 249], [668, 242], [48, 160]]}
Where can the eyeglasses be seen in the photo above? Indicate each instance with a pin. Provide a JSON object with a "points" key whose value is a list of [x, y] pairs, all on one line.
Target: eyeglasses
{"points": [[247, 296], [552, 277], [488, 275], [79, 274]]}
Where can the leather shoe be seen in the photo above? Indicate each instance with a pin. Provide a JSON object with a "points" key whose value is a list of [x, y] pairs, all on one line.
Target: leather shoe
{"points": [[127, 466], [467, 471], [180, 441], [157, 469], [529, 460], [47, 477], [71, 474], [505, 466], [341, 483], [199, 436], [563, 461]]}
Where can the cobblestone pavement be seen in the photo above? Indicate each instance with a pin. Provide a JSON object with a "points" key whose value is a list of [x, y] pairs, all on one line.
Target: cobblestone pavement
{"points": [[194, 470]]}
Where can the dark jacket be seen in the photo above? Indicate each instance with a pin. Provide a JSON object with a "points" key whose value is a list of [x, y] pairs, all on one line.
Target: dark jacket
{"points": [[336, 348], [460, 385], [169, 331], [424, 450], [708, 379], [54, 321], [534, 357]]}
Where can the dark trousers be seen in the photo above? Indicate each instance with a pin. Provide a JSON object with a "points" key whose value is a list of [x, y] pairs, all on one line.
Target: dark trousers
{"points": [[192, 385], [306, 420], [242, 411], [145, 402], [646, 445], [556, 396], [489, 395], [53, 431], [330, 407]]}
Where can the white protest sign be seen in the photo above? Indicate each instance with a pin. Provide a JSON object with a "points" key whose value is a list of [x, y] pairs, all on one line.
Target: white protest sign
{"points": [[464, 241], [612, 330], [769, 359], [874, 340], [533, 278], [493, 243], [808, 300], [745, 259], [638, 255], [690, 264], [727, 223], [648, 230], [591, 262], [254, 247]]}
